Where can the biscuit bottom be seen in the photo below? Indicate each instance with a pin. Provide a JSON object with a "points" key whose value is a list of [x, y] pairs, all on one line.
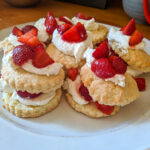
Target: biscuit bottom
{"points": [[89, 109], [24, 111]]}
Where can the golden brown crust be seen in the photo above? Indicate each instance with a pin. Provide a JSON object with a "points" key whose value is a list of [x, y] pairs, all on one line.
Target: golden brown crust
{"points": [[20, 79], [24, 111], [137, 59], [106, 92], [89, 109], [66, 60]]}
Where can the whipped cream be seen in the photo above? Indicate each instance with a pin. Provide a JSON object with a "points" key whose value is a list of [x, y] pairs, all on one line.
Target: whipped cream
{"points": [[37, 101], [133, 72], [61, 22], [88, 24], [72, 49], [122, 41], [117, 79], [73, 89], [14, 40], [42, 34]]}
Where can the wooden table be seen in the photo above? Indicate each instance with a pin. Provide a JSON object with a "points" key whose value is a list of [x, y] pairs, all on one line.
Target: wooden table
{"points": [[113, 15]]}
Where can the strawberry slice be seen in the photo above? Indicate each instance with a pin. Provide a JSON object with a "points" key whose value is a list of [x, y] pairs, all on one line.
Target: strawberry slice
{"points": [[63, 19], [136, 38], [27, 95], [27, 28], [77, 33], [72, 73], [82, 16], [105, 108], [102, 68], [129, 28], [118, 64], [50, 23], [17, 32], [141, 84], [101, 51], [63, 28], [85, 93], [41, 58]]}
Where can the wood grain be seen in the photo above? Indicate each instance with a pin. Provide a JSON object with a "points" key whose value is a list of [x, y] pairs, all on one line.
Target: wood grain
{"points": [[113, 15]]}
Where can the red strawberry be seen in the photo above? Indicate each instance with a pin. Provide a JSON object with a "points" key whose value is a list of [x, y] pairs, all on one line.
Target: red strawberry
{"points": [[63, 28], [25, 94], [122, 29], [141, 84], [85, 93], [27, 28], [22, 54], [118, 64], [129, 28], [17, 32], [63, 19], [81, 16], [112, 52], [102, 68], [77, 33], [101, 51], [105, 108], [50, 23], [136, 38], [41, 58], [72, 73]]}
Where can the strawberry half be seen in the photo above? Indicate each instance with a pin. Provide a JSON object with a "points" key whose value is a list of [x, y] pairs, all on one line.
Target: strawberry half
{"points": [[118, 64], [77, 33], [27, 28], [63, 19], [41, 58], [72, 73], [50, 23], [101, 51], [105, 108], [82, 16], [129, 28], [141, 84], [136, 38], [17, 32], [63, 28], [102, 68]]}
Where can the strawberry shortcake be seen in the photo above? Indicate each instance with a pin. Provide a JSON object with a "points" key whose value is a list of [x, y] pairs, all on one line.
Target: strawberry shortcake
{"points": [[99, 31], [31, 80], [129, 44]]}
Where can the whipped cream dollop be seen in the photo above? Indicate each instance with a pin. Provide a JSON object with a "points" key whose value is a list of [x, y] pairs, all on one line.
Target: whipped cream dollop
{"points": [[14, 40], [73, 89], [72, 49], [37, 101], [117, 79], [42, 34], [88, 24], [122, 41]]}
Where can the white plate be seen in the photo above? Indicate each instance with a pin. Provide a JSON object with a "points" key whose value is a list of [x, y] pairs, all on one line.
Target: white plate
{"points": [[67, 123]]}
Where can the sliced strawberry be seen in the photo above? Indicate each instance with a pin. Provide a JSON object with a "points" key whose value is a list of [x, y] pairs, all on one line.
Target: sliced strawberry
{"points": [[50, 23], [122, 29], [105, 108], [118, 64], [21, 54], [63, 28], [28, 28], [41, 58], [77, 33], [136, 38], [17, 32], [27, 95], [63, 19], [82, 16], [129, 28], [101, 51], [72, 73], [141, 84], [102, 68], [85, 93]]}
